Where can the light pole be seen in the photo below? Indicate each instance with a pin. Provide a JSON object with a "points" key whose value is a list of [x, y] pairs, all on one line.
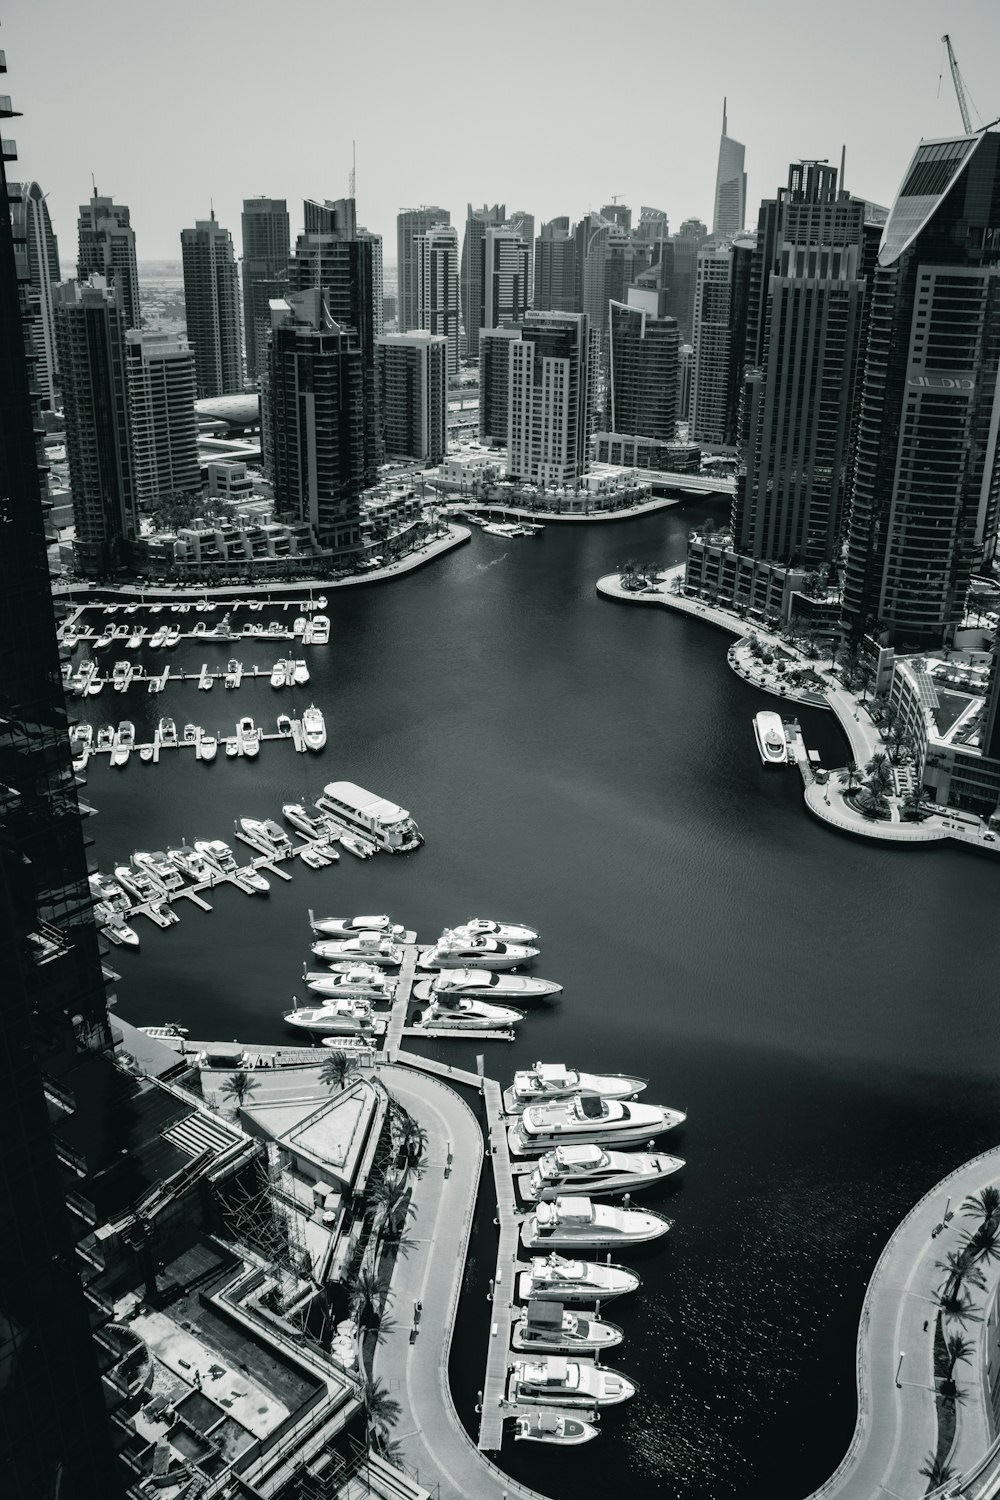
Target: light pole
{"points": [[899, 1366]]}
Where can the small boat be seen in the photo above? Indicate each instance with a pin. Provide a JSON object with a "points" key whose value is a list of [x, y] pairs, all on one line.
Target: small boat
{"points": [[136, 639], [105, 737], [278, 673], [549, 1426], [357, 846], [190, 863], [122, 632], [209, 745], [452, 952], [172, 636], [276, 629], [587, 1118], [115, 928], [167, 731], [551, 1380], [162, 869], [320, 603], [357, 979], [314, 857], [343, 927], [145, 752], [234, 670], [769, 732], [94, 685], [460, 1013], [548, 1328], [163, 913], [366, 947], [190, 735], [124, 743], [232, 747], [504, 932], [567, 1221], [129, 609], [121, 676], [347, 1015], [320, 630], [155, 684], [106, 636], [156, 609], [313, 728], [574, 1280], [284, 724], [256, 604], [299, 626], [556, 1081], [593, 1170], [201, 628], [249, 736], [484, 984], [307, 818], [158, 638], [81, 737], [182, 609], [300, 673], [165, 1033]]}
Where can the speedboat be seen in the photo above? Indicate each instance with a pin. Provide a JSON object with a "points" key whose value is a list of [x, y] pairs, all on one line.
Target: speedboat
{"points": [[574, 1280], [769, 732], [316, 857], [190, 734], [162, 869], [130, 609], [94, 685], [347, 1015], [145, 752], [81, 737], [308, 819], [167, 1033], [455, 1012], [105, 737], [209, 745], [136, 639], [556, 1081], [320, 630], [156, 609], [232, 746], [121, 676], [299, 626], [344, 927], [590, 1169], [114, 927], [359, 847], [551, 1380], [359, 979], [190, 863], [366, 947], [106, 636], [452, 952], [284, 724], [313, 728], [278, 673], [234, 670], [586, 1118], [559, 1427], [300, 673], [249, 735], [172, 635], [548, 1328], [504, 932], [482, 984], [159, 637], [124, 743], [569, 1221], [167, 730]]}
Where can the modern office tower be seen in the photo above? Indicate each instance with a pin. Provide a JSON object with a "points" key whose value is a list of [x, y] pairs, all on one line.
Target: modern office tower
{"points": [[212, 306], [614, 260], [679, 259], [554, 286], [411, 223], [106, 247], [524, 223], [375, 241], [473, 253], [160, 373], [551, 390], [642, 367], [55, 1435], [505, 277], [927, 477], [800, 402], [617, 213], [437, 304], [730, 213], [90, 347], [720, 310], [266, 242], [653, 226], [685, 372], [494, 384], [413, 395], [37, 251]]}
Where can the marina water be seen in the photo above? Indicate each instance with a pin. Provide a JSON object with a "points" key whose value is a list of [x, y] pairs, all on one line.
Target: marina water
{"points": [[823, 1008]]}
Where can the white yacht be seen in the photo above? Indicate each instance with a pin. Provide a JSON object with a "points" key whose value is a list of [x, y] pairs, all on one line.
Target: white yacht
{"points": [[81, 737], [121, 676], [299, 626], [574, 1280], [162, 869], [216, 853], [483, 984], [344, 927], [124, 743], [313, 728], [136, 639], [568, 1221], [256, 831], [320, 630], [359, 847], [300, 673], [391, 827], [308, 819], [94, 685], [278, 673], [232, 746], [586, 1118], [454, 952], [108, 891], [354, 979], [172, 635], [555, 1081], [504, 932], [551, 1380], [454, 1013], [167, 730], [168, 1033], [590, 1169], [364, 947], [284, 725], [209, 745], [190, 734], [249, 736], [105, 737], [546, 1425], [139, 884], [769, 732], [116, 928], [159, 637], [190, 863], [347, 1015], [548, 1328]]}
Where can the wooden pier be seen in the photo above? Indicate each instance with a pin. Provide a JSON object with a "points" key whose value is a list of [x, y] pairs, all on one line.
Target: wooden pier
{"points": [[400, 1002], [498, 1356]]}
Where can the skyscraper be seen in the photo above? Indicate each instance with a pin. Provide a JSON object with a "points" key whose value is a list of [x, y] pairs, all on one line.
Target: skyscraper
{"points": [[505, 276], [494, 384], [438, 311], [473, 253], [927, 476], [90, 344], [107, 247], [680, 266], [160, 372], [410, 224], [551, 380], [554, 285], [378, 282], [266, 241], [720, 318], [730, 213], [413, 395], [35, 242], [613, 261], [524, 223], [642, 368], [212, 305]]}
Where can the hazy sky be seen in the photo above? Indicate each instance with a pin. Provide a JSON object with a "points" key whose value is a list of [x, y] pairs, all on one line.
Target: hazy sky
{"points": [[551, 106]]}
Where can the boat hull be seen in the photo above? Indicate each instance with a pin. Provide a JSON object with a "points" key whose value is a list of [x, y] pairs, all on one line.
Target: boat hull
{"points": [[596, 1236], [593, 1185], [600, 1085], [534, 989], [524, 1144], [557, 1282]]}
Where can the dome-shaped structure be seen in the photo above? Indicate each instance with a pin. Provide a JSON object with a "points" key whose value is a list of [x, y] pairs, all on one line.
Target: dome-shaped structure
{"points": [[238, 412]]}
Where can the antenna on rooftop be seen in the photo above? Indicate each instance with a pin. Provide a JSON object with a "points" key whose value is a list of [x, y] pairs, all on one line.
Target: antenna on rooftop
{"points": [[354, 169], [93, 180], [843, 159]]}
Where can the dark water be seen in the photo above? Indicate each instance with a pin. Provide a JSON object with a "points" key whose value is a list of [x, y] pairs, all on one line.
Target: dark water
{"points": [[824, 1009]]}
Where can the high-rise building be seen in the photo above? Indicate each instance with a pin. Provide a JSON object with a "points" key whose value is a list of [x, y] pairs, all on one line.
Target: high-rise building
{"points": [[411, 223], [375, 240], [37, 250], [554, 286], [315, 415], [55, 1434], [800, 402], [551, 390], [720, 314], [106, 247], [473, 254], [505, 277], [679, 258], [494, 385], [927, 477], [266, 241], [642, 367], [730, 214], [90, 346], [212, 306], [524, 223], [437, 268], [413, 395], [613, 262], [160, 372]]}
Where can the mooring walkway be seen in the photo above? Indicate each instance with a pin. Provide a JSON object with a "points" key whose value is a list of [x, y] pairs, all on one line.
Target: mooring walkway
{"points": [[400, 1002], [498, 1355]]}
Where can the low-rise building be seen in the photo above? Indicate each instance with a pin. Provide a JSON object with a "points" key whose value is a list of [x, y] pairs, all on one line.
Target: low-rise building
{"points": [[672, 457], [229, 482], [763, 590], [943, 700]]}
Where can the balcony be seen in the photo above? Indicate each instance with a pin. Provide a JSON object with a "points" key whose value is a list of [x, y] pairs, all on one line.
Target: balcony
{"points": [[8, 148]]}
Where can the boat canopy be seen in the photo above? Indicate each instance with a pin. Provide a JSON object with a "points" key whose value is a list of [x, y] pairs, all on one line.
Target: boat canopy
{"points": [[578, 1156], [591, 1107], [549, 1421], [564, 1211], [553, 1072], [544, 1316], [376, 808]]}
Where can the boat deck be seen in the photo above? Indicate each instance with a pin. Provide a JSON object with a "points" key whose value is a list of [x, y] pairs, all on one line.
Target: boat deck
{"points": [[498, 1356]]}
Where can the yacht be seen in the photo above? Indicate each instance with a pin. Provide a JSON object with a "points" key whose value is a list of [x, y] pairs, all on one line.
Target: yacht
{"points": [[190, 863], [209, 744], [124, 743], [167, 730], [278, 673], [375, 818], [367, 947], [256, 832], [452, 952], [116, 928], [249, 736], [172, 635], [355, 979], [136, 639], [138, 883], [586, 1118], [81, 737], [569, 1221], [162, 869], [548, 1328], [769, 732], [343, 927], [551, 1380], [190, 734], [574, 1280], [300, 673], [105, 737], [299, 626], [108, 892], [121, 676], [482, 984], [232, 745], [216, 853], [159, 637], [284, 724], [347, 1015], [590, 1169], [106, 636], [555, 1081], [360, 848], [460, 1013], [82, 676], [313, 728], [320, 630], [307, 818], [94, 684], [504, 932], [277, 837], [549, 1426], [171, 1032]]}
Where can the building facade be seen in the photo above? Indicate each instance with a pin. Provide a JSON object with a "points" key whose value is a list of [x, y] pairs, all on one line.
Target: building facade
{"points": [[160, 375], [730, 213], [473, 253], [643, 366], [413, 395], [505, 277], [711, 380], [551, 394], [212, 307], [266, 242], [37, 253], [554, 285], [106, 247], [437, 269], [494, 385], [411, 225], [524, 223]]}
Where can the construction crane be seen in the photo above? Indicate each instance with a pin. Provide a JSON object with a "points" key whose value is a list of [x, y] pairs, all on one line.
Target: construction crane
{"points": [[956, 79]]}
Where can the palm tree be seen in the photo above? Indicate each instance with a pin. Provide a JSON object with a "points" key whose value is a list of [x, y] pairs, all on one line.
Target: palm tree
{"points": [[391, 1449], [866, 676], [366, 1300], [898, 739], [413, 1144], [382, 1411], [984, 1245], [958, 1349], [879, 770], [912, 803], [238, 1086], [936, 1470], [959, 1307], [871, 801], [960, 1267], [985, 1205], [850, 774], [339, 1068]]}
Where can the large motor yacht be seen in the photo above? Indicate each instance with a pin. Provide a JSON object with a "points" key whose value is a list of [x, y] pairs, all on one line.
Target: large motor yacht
{"points": [[504, 932], [454, 952], [586, 1118], [308, 819], [550, 1380], [313, 728], [593, 1170], [160, 867], [555, 1081], [482, 984], [345, 927], [348, 1015], [360, 979], [568, 1221], [548, 1328], [574, 1280], [366, 947], [469, 1015], [191, 862], [769, 733]]}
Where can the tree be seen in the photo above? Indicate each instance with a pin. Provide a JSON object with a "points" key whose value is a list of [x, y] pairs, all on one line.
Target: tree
{"points": [[413, 1144], [958, 1348], [238, 1086], [879, 771], [936, 1470], [865, 675], [850, 776], [382, 1411], [898, 739], [340, 1067], [872, 801], [984, 1205], [912, 805], [959, 1306]]}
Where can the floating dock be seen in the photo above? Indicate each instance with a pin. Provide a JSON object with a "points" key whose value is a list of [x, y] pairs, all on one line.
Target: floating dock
{"points": [[498, 1355]]}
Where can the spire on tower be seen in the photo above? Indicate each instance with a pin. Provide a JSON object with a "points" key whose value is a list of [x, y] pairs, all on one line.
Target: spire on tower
{"points": [[725, 130]]}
